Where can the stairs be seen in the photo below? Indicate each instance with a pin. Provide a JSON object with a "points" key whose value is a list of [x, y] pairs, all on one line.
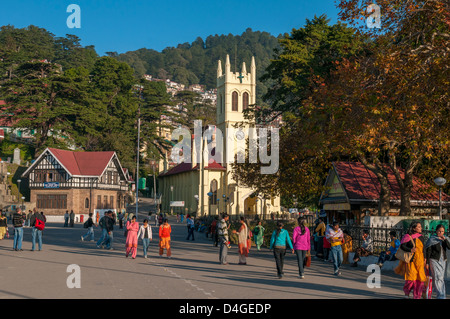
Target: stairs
{"points": [[5, 193]]}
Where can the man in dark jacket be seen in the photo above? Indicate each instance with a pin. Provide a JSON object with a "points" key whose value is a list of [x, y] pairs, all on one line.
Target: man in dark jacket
{"points": [[19, 218], [36, 220], [110, 221]]}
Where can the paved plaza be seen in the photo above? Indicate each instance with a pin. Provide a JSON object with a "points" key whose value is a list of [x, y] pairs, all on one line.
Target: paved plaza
{"points": [[193, 272]]}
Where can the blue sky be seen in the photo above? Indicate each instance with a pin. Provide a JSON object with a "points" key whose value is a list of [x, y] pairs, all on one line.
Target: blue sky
{"points": [[126, 25]]}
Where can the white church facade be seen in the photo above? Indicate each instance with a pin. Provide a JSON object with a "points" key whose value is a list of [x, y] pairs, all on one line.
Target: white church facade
{"points": [[204, 185]]}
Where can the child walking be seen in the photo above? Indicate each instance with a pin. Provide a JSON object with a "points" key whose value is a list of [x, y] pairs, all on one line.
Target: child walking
{"points": [[164, 238]]}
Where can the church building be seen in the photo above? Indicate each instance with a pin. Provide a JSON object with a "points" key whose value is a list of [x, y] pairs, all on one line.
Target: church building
{"points": [[207, 187]]}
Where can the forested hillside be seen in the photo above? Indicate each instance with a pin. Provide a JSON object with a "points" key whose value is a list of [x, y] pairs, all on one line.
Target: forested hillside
{"points": [[196, 62]]}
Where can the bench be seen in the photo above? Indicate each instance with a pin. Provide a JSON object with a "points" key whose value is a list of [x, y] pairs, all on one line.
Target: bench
{"points": [[369, 260]]}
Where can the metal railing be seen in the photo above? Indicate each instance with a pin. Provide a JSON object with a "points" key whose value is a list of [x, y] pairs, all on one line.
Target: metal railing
{"points": [[380, 236]]}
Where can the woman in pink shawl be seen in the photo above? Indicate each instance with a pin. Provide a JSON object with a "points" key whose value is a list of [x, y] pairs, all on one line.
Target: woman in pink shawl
{"points": [[132, 239]]}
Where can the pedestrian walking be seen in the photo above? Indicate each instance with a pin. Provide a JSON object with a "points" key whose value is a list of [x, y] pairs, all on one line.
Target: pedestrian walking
{"points": [[278, 242], [190, 227], [29, 217], [110, 221], [301, 239], [244, 241], [66, 219], [71, 218], [132, 237], [436, 257], [164, 238], [37, 221], [145, 233], [3, 224], [335, 237], [181, 218], [347, 246], [214, 233], [414, 270], [222, 229], [102, 224], [18, 221], [89, 224], [258, 235], [320, 234], [120, 216]]}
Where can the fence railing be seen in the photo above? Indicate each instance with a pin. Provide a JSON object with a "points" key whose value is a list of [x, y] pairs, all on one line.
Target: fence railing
{"points": [[380, 236]]}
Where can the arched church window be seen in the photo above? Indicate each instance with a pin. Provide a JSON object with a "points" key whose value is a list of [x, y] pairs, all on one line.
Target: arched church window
{"points": [[234, 101], [213, 190], [244, 101]]}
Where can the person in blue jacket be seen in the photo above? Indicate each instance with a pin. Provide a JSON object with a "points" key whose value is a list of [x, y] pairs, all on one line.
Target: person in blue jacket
{"points": [[279, 242], [389, 255]]}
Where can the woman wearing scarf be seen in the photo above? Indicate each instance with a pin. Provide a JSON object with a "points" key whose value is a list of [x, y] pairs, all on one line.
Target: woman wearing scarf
{"points": [[436, 256], [258, 233], [132, 238], [243, 243], [414, 271]]}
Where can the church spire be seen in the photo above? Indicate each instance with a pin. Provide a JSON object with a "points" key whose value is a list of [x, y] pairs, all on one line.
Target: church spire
{"points": [[244, 69], [219, 68], [227, 65]]}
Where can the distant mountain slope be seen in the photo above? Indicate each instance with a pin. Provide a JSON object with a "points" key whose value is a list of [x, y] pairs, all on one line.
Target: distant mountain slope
{"points": [[196, 62]]}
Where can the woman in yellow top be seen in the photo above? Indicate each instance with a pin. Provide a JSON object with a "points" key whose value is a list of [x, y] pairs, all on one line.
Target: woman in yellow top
{"points": [[347, 246], [414, 271]]}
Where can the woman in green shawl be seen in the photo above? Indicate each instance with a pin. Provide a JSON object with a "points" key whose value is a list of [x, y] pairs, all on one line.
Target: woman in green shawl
{"points": [[258, 234]]}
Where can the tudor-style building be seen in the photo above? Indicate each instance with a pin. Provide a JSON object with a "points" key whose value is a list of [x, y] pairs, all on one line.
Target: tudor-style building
{"points": [[61, 180]]}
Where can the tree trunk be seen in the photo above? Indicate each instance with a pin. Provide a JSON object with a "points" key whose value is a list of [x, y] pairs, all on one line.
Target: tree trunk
{"points": [[384, 203], [405, 205]]}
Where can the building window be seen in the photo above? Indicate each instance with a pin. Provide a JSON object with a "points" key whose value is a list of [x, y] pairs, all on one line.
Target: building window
{"points": [[234, 101], [245, 101], [51, 201], [99, 201], [111, 202], [105, 200], [86, 203], [213, 190]]}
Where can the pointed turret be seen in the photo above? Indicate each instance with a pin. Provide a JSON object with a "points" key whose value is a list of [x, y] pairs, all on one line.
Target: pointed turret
{"points": [[219, 68], [253, 70], [244, 69], [227, 65]]}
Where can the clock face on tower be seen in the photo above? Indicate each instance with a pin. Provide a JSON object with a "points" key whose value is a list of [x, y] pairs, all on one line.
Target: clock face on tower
{"points": [[239, 135]]}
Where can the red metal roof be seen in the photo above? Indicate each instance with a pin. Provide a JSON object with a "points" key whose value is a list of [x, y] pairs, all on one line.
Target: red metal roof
{"points": [[362, 184], [83, 163], [186, 167]]}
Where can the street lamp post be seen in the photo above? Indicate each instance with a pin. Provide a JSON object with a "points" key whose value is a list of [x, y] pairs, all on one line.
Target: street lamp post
{"points": [[22, 207], [18, 194], [440, 181], [171, 199]]}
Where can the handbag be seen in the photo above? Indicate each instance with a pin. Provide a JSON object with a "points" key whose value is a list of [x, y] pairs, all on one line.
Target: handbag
{"points": [[308, 260], [405, 256]]}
